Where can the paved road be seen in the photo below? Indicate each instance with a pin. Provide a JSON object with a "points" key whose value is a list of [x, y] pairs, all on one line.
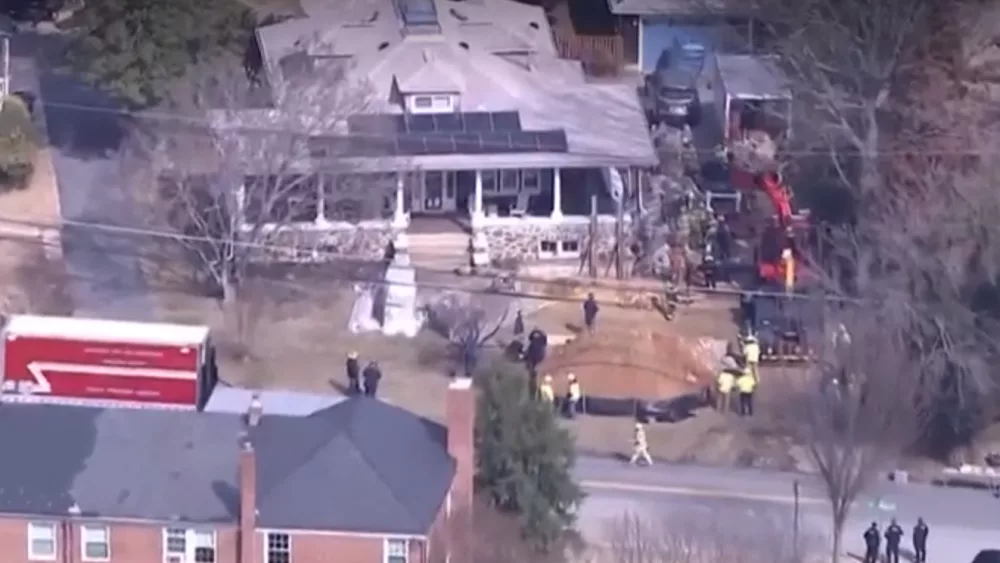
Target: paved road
{"points": [[962, 521], [105, 276]]}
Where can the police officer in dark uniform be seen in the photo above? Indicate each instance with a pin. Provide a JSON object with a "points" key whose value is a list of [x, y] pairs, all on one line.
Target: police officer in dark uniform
{"points": [[724, 240], [590, 310], [518, 324], [372, 374], [920, 532], [872, 540], [892, 536], [353, 370], [537, 344]]}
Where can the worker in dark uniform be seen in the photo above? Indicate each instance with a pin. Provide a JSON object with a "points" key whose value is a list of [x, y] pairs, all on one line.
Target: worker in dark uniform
{"points": [[518, 324], [724, 240], [872, 540], [535, 354], [920, 532], [893, 534], [590, 310], [372, 374], [709, 268], [353, 370]]}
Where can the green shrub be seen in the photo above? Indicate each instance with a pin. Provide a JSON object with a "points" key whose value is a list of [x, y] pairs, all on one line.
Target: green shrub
{"points": [[18, 143]]}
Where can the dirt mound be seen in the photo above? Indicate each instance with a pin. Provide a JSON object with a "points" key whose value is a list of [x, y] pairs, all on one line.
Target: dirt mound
{"points": [[631, 361]]}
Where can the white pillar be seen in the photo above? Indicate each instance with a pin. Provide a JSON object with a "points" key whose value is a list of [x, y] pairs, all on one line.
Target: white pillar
{"points": [[477, 199], [399, 218], [321, 181], [557, 212]]}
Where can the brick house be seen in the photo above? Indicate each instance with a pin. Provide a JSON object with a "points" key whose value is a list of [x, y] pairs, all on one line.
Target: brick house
{"points": [[360, 481]]}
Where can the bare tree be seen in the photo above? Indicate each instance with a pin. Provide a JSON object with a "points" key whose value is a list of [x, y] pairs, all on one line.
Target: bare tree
{"points": [[856, 410], [696, 537], [469, 322], [239, 184], [844, 60]]}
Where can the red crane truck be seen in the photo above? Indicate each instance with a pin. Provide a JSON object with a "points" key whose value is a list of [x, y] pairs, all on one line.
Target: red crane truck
{"points": [[77, 360]]}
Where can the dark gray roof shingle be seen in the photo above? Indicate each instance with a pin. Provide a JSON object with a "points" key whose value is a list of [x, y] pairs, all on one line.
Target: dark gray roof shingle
{"points": [[361, 465]]}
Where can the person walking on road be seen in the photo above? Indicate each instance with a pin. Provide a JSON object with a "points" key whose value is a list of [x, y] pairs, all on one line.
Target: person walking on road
{"points": [[872, 540], [353, 369], [518, 324], [640, 447], [590, 310], [724, 390], [920, 532], [893, 534], [746, 383], [371, 375]]}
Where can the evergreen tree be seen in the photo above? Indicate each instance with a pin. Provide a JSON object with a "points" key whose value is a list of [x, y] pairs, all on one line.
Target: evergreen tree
{"points": [[525, 460], [139, 49]]}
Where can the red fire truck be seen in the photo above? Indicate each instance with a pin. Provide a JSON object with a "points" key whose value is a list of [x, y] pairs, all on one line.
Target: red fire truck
{"points": [[65, 359]]}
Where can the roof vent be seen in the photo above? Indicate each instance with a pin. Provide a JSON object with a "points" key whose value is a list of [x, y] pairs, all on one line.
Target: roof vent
{"points": [[373, 17], [458, 15], [255, 411], [463, 45], [383, 46], [428, 57], [533, 25]]}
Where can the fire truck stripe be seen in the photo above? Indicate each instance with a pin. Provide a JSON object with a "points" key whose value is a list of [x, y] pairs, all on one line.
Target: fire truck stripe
{"points": [[122, 371]]}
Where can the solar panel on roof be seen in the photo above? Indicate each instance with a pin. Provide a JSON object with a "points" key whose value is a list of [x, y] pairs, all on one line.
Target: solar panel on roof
{"points": [[495, 142], [385, 123], [477, 121], [423, 123], [468, 143], [439, 144], [552, 141], [411, 145], [418, 12], [448, 123], [506, 121]]}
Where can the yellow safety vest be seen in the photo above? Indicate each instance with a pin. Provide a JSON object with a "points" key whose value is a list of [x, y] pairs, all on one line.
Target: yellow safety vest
{"points": [[751, 351], [545, 390], [574, 391], [640, 438], [746, 383], [725, 382]]}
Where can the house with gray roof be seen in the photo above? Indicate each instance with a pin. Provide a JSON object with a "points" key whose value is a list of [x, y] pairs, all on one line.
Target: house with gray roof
{"points": [[448, 109], [361, 479]]}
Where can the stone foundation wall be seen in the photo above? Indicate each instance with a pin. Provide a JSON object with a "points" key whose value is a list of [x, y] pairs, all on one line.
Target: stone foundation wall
{"points": [[522, 243], [361, 242]]}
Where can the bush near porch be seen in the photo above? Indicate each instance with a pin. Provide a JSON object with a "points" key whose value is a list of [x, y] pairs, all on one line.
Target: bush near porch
{"points": [[18, 144]]}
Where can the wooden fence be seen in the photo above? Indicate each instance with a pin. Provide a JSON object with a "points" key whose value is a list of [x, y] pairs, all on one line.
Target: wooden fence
{"points": [[599, 53]]}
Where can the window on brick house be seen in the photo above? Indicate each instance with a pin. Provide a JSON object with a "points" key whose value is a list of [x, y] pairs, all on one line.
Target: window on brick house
{"points": [[182, 545], [41, 541], [95, 543], [396, 550], [279, 548]]}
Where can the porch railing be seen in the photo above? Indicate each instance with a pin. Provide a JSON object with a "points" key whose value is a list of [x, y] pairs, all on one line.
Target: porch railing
{"points": [[600, 54]]}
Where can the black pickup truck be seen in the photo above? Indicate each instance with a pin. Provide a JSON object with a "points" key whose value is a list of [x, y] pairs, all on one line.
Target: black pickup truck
{"points": [[671, 91]]}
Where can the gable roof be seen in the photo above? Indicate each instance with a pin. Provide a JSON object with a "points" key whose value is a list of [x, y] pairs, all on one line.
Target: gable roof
{"points": [[361, 465], [498, 55]]}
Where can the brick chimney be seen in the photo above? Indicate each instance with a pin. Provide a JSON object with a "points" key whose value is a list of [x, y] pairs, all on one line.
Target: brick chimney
{"points": [[248, 501], [255, 411], [461, 420]]}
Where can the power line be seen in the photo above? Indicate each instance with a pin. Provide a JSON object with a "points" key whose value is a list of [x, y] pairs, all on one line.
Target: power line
{"points": [[164, 116]]}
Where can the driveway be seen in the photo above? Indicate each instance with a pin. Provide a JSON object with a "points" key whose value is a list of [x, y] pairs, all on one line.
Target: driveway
{"points": [[962, 522], [84, 131]]}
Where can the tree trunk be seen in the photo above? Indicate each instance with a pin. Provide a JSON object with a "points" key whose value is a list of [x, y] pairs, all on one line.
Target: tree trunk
{"points": [[837, 533], [870, 177]]}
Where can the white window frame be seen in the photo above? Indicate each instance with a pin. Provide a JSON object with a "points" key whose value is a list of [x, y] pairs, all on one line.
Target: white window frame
{"points": [[562, 247], [560, 251], [491, 181], [33, 532], [542, 253], [267, 542], [192, 541], [510, 182], [388, 557], [431, 103], [535, 184], [87, 529]]}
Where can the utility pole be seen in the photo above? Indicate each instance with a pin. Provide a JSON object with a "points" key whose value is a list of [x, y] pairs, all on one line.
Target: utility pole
{"points": [[620, 226]]}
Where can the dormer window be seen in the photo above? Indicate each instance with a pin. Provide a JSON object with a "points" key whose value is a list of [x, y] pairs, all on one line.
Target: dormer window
{"points": [[431, 103]]}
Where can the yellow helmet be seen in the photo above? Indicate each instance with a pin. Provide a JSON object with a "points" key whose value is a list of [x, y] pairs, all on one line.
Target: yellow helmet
{"points": [[353, 355], [571, 377], [638, 426], [547, 378]]}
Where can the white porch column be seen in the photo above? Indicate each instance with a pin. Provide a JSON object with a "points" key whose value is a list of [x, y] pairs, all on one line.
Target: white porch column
{"points": [[399, 217], [477, 199], [557, 212], [321, 181]]}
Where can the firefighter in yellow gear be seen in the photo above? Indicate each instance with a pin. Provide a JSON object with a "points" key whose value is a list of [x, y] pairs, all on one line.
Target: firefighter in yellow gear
{"points": [[640, 447], [751, 355], [545, 391], [573, 396], [724, 383], [746, 384]]}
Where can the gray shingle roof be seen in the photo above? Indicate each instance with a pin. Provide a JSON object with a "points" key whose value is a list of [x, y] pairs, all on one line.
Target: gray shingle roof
{"points": [[361, 465]]}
